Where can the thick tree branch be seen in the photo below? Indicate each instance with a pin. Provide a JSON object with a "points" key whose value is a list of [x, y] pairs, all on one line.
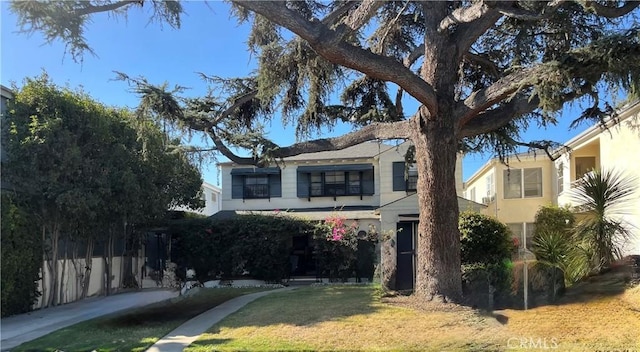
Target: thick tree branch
{"points": [[381, 130], [525, 15], [330, 45], [104, 8], [483, 62], [334, 17], [362, 14], [611, 12], [375, 131], [414, 55], [491, 120], [463, 15], [468, 33]]}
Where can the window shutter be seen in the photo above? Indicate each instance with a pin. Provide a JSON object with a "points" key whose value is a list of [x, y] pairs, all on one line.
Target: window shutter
{"points": [[399, 183], [275, 186], [368, 187], [303, 185], [237, 186]]}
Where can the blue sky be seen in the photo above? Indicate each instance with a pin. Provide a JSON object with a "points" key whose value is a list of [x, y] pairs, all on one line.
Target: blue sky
{"points": [[209, 41]]}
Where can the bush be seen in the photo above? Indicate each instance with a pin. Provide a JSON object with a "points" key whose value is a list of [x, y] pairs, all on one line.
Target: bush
{"points": [[21, 259], [486, 248], [483, 239], [249, 245], [551, 218]]}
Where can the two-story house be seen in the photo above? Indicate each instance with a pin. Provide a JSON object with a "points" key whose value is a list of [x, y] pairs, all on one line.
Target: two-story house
{"points": [[514, 193], [367, 183], [616, 147]]}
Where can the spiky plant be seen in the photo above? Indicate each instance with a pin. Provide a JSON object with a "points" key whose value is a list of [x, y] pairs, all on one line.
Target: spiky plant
{"points": [[603, 198]]}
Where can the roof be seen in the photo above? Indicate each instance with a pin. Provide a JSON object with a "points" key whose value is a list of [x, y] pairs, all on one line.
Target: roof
{"points": [[366, 150]]}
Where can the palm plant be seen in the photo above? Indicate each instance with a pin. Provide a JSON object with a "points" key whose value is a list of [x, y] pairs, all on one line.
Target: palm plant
{"points": [[554, 249], [603, 198]]}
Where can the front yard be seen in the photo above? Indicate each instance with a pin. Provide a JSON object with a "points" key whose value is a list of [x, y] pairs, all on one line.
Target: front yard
{"points": [[359, 318]]}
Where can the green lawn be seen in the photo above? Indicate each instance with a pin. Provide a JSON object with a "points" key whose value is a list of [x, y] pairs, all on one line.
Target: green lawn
{"points": [[135, 330]]}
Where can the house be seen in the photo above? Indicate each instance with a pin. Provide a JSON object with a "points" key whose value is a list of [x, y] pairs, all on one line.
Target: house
{"points": [[616, 147], [514, 193], [211, 195], [365, 183]]}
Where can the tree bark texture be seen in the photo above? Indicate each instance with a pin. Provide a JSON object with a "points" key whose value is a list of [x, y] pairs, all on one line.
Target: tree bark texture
{"points": [[438, 275]]}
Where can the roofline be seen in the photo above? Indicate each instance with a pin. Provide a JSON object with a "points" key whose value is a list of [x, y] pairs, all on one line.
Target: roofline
{"points": [[6, 92], [229, 163], [493, 161], [623, 113], [210, 185]]}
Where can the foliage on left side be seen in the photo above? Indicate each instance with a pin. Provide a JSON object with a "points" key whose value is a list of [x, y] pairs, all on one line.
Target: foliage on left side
{"points": [[91, 176]]}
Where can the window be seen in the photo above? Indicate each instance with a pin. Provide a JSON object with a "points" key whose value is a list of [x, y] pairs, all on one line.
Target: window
{"points": [[491, 189], [256, 186], [404, 178], [472, 194], [255, 183], [213, 196], [522, 183], [532, 182], [584, 164], [560, 177], [519, 229], [335, 180], [334, 183], [512, 183]]}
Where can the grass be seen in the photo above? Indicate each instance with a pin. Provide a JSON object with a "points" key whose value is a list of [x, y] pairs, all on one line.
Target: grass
{"points": [[357, 318], [135, 330]]}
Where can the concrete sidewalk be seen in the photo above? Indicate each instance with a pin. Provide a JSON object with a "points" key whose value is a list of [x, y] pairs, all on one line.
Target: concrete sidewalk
{"points": [[180, 338], [21, 328]]}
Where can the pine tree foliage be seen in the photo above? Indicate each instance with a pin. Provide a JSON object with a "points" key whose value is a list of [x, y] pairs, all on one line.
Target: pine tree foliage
{"points": [[479, 71]]}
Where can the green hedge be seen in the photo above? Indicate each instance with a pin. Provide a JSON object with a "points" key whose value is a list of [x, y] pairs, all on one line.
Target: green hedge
{"points": [[21, 259], [252, 245]]}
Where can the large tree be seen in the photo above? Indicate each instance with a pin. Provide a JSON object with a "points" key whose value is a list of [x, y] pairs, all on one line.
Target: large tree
{"points": [[480, 71]]}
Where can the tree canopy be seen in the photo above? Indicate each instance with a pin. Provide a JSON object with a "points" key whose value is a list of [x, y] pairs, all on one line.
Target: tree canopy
{"points": [[480, 72]]}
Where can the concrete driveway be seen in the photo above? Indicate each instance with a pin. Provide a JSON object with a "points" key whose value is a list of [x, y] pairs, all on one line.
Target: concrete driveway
{"points": [[21, 328]]}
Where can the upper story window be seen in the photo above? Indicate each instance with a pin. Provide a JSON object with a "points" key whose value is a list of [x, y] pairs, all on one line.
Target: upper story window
{"points": [[522, 183], [256, 183], [405, 178], [560, 177], [335, 180]]}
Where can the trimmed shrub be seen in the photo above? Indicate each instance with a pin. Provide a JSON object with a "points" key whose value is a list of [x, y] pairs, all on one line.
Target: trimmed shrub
{"points": [[255, 246], [486, 248], [483, 239]]}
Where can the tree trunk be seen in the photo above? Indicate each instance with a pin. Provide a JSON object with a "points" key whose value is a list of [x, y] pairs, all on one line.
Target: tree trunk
{"points": [[438, 273], [88, 264], [62, 276]]}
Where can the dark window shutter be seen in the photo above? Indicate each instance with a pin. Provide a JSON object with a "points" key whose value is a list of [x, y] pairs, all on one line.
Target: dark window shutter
{"points": [[275, 185], [368, 187], [237, 186], [303, 185], [399, 182]]}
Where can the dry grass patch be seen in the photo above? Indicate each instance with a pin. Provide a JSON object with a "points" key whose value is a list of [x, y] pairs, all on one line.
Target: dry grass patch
{"points": [[357, 318]]}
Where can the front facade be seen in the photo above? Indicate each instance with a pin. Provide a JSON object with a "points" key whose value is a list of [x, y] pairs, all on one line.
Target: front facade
{"points": [[367, 183], [513, 194]]}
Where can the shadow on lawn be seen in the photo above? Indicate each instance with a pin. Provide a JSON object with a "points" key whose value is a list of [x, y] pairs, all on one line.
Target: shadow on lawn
{"points": [[608, 284]]}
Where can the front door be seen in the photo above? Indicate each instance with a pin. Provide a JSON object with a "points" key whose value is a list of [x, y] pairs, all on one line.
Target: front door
{"points": [[405, 255]]}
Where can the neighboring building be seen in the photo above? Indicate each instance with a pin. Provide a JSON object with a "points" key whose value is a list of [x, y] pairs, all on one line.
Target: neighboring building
{"points": [[365, 183], [514, 193], [211, 195], [615, 148]]}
